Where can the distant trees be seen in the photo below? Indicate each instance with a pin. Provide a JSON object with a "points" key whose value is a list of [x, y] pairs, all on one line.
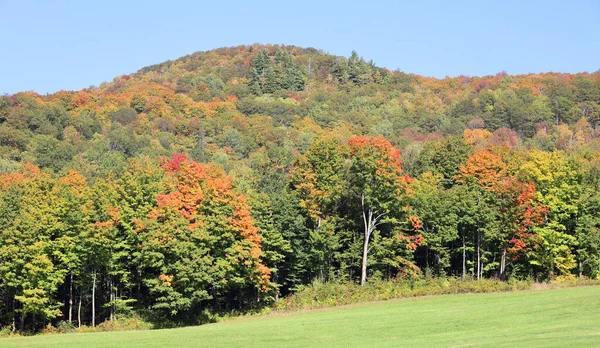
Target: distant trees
{"points": [[270, 75], [355, 70]]}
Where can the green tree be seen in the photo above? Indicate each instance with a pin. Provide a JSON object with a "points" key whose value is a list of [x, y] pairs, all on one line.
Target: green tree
{"points": [[377, 184]]}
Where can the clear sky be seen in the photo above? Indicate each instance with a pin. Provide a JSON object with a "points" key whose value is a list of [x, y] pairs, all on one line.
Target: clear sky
{"points": [[49, 45]]}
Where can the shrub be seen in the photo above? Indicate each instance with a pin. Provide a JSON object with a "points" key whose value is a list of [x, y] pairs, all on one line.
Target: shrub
{"points": [[121, 324], [65, 326], [320, 295], [50, 330], [6, 332]]}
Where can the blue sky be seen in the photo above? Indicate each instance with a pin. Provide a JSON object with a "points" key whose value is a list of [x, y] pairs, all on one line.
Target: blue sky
{"points": [[68, 44]]}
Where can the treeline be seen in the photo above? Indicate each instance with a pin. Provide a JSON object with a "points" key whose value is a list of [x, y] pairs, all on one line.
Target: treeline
{"points": [[179, 240], [227, 179]]}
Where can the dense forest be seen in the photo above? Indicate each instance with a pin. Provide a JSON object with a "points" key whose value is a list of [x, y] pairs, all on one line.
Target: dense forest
{"points": [[226, 179]]}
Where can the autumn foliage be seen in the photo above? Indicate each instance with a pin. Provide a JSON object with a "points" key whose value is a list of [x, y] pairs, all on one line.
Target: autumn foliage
{"points": [[221, 181]]}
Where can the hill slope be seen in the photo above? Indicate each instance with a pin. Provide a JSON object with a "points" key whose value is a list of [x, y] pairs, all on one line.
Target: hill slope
{"points": [[549, 318]]}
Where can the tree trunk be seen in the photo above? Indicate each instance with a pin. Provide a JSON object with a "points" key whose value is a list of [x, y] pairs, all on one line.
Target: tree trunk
{"points": [[503, 266], [363, 277], [478, 254], [363, 274], [473, 257], [79, 313], [275, 280], [22, 323], [71, 299], [139, 285], [112, 301], [14, 319], [464, 258], [482, 267], [370, 221], [94, 300]]}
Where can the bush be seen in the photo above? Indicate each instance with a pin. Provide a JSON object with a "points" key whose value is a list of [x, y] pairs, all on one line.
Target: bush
{"points": [[50, 330], [127, 324], [320, 295], [7, 332], [121, 324], [566, 281], [65, 326]]}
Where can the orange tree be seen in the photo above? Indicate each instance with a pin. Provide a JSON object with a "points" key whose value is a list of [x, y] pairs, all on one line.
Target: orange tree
{"points": [[515, 207], [201, 244]]}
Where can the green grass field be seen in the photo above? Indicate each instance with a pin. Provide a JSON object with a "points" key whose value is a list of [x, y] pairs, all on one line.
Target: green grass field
{"points": [[548, 318]]}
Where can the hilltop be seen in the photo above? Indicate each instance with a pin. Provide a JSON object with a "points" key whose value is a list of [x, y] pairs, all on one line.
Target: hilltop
{"points": [[232, 94]]}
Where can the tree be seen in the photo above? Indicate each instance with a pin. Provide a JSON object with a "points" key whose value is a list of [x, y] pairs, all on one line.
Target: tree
{"points": [[276, 248], [318, 183], [358, 70], [516, 208], [51, 153], [445, 157], [378, 185], [200, 243], [519, 213], [30, 267], [559, 191], [318, 178], [434, 206], [75, 211]]}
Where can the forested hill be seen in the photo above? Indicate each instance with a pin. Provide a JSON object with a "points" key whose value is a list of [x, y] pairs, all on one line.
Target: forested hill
{"points": [[226, 179], [233, 94]]}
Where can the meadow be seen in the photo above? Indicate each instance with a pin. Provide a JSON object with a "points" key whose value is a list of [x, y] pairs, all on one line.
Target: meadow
{"points": [[549, 318]]}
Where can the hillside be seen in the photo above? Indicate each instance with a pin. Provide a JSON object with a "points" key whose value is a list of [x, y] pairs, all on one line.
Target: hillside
{"points": [[552, 318], [225, 180], [232, 102]]}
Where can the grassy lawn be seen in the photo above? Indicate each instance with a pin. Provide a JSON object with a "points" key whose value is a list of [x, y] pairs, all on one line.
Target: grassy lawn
{"points": [[548, 318]]}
